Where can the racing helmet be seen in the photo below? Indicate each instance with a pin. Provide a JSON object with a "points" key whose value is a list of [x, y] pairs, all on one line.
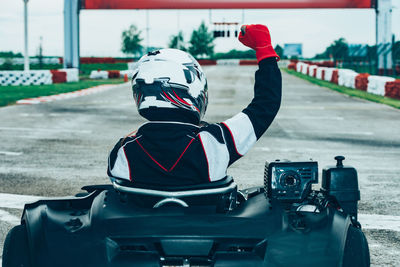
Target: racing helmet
{"points": [[170, 85]]}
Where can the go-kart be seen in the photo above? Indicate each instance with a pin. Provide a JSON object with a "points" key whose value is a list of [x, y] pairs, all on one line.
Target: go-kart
{"points": [[283, 223]]}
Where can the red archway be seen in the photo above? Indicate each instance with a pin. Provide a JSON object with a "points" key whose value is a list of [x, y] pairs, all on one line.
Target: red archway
{"points": [[224, 4], [72, 8]]}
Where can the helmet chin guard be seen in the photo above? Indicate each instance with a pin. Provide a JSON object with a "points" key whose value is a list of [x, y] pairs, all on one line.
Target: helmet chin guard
{"points": [[169, 84]]}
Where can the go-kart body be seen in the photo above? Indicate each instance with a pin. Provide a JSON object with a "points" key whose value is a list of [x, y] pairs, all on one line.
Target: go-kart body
{"points": [[106, 228]]}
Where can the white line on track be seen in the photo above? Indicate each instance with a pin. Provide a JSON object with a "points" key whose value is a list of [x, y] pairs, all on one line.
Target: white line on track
{"points": [[39, 114], [379, 222], [331, 133], [14, 201], [368, 221], [9, 153], [310, 118]]}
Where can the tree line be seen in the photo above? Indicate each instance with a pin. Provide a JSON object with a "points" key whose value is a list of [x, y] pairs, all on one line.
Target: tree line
{"points": [[341, 50], [200, 45]]}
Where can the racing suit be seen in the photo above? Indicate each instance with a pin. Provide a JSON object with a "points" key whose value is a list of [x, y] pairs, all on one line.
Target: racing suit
{"points": [[176, 153]]}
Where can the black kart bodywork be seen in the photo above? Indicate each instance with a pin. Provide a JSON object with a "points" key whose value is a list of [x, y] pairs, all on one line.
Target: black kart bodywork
{"points": [[111, 226]]}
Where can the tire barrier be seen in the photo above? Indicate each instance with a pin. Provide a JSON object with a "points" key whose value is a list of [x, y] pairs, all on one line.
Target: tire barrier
{"points": [[207, 62], [98, 74], [247, 62], [33, 77], [328, 74], [392, 89], [113, 74], [38, 77], [311, 70], [59, 76], [320, 73], [292, 66], [229, 62], [304, 69], [361, 81], [347, 78], [378, 85], [335, 76], [72, 74]]}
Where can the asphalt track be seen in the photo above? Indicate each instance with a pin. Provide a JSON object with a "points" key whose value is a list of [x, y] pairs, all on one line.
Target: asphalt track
{"points": [[53, 149]]}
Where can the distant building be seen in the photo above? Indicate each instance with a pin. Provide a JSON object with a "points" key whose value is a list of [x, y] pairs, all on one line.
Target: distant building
{"points": [[291, 50], [358, 50]]}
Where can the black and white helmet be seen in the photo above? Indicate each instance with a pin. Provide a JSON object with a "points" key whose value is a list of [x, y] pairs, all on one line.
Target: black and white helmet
{"points": [[169, 84]]}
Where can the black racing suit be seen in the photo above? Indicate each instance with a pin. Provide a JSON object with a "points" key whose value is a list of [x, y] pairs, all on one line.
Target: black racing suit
{"points": [[176, 153]]}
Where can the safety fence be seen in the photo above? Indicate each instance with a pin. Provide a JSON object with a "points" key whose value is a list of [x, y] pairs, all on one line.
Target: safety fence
{"points": [[38, 77], [379, 85]]}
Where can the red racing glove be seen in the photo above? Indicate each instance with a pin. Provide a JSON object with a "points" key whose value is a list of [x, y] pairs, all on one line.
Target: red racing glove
{"points": [[257, 37]]}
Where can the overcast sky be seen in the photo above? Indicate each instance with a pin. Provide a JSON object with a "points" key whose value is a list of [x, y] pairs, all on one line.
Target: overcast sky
{"points": [[100, 30]]}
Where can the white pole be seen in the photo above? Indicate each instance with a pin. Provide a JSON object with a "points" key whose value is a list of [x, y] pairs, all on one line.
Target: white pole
{"points": [[147, 31], [179, 29], [26, 55]]}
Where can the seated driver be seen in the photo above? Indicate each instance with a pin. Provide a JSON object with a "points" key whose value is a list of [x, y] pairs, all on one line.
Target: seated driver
{"points": [[174, 148]]}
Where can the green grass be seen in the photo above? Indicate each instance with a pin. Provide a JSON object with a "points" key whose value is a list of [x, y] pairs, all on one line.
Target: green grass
{"points": [[10, 94], [84, 68], [348, 91]]}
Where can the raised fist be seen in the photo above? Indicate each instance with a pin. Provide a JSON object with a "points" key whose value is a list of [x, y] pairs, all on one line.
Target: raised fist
{"points": [[257, 37]]}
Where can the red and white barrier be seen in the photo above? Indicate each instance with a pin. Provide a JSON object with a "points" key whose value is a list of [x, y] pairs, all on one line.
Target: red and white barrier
{"points": [[33, 77], [361, 81], [376, 84], [321, 73], [304, 69], [38, 77], [98, 74], [392, 89], [229, 62], [311, 70], [347, 77], [328, 74], [72, 74], [379, 85]]}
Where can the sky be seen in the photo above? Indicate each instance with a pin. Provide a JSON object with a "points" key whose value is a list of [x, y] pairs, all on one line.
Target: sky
{"points": [[100, 30]]}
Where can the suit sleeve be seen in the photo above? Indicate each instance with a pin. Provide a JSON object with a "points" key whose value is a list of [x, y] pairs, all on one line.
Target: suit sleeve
{"points": [[244, 129], [118, 165]]}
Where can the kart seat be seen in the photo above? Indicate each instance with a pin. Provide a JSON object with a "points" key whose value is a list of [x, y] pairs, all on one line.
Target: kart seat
{"points": [[224, 191]]}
